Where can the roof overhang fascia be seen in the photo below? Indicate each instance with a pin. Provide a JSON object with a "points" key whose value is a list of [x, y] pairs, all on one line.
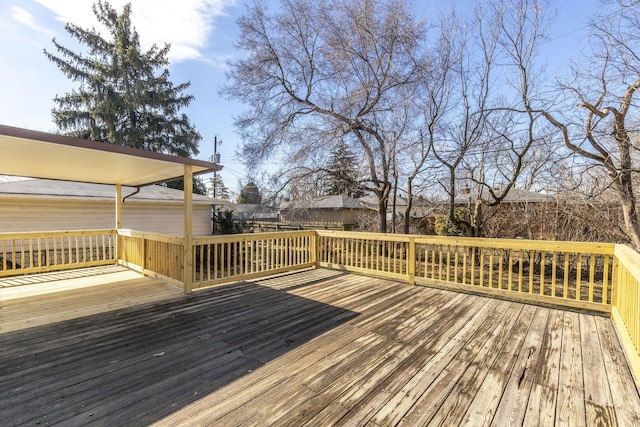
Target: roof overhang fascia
{"points": [[44, 155]]}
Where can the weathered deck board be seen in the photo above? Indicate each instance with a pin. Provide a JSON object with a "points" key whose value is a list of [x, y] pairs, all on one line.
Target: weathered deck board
{"points": [[541, 408], [317, 347], [54, 297]]}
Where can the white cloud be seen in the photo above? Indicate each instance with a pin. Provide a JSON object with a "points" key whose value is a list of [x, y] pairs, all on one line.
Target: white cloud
{"points": [[185, 24], [22, 16], [25, 18]]}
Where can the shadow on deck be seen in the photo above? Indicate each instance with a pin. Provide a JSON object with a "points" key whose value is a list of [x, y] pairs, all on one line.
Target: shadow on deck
{"points": [[137, 365]]}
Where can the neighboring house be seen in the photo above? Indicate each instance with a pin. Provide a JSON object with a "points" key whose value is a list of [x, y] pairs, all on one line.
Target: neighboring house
{"points": [[252, 213], [515, 195], [420, 207], [328, 211], [30, 204], [421, 215], [538, 215]]}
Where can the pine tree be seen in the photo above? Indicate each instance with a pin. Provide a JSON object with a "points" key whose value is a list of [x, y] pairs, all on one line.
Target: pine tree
{"points": [[342, 173], [125, 96], [250, 195], [218, 189]]}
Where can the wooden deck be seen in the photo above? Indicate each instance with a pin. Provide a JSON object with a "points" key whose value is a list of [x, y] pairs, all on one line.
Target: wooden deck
{"points": [[317, 347]]}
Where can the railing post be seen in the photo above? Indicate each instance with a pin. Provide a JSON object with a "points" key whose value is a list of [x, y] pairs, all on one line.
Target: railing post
{"points": [[143, 260], [314, 248], [616, 280], [411, 261]]}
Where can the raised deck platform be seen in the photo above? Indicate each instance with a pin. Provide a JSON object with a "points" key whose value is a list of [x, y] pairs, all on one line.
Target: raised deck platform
{"points": [[317, 347]]}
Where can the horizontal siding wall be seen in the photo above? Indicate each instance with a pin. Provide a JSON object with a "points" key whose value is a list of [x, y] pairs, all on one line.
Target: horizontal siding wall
{"points": [[166, 219], [52, 215]]}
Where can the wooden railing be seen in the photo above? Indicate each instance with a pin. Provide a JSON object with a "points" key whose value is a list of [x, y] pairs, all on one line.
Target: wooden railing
{"points": [[625, 311], [578, 275], [39, 252], [154, 254], [592, 276], [222, 259], [217, 259]]}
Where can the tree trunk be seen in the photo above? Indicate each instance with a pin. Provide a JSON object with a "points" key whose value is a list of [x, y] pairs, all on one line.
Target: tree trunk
{"points": [[382, 209], [475, 220], [407, 212], [383, 202], [624, 189], [394, 204]]}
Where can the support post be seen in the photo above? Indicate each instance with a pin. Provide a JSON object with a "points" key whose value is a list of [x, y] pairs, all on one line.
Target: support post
{"points": [[314, 248], [188, 230], [118, 220], [411, 261]]}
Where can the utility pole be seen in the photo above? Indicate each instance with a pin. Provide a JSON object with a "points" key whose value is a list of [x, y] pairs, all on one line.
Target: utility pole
{"points": [[214, 183], [216, 160]]}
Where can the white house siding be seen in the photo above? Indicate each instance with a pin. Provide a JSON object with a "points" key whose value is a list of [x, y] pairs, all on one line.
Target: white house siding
{"points": [[42, 214]]}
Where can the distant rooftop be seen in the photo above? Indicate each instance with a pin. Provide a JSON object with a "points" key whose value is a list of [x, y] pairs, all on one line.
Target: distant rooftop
{"points": [[325, 202], [47, 188]]}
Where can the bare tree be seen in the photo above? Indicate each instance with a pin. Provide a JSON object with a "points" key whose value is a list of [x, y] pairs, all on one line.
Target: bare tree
{"points": [[470, 94], [317, 72], [491, 138], [432, 104], [599, 119]]}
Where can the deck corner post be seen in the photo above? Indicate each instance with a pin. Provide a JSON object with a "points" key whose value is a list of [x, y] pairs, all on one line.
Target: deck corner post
{"points": [[187, 248], [411, 261], [616, 277], [314, 249], [118, 220]]}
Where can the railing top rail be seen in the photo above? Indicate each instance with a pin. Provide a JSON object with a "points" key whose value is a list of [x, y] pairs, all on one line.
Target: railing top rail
{"points": [[199, 240], [161, 237], [34, 234], [541, 245], [546, 245], [629, 258], [365, 235]]}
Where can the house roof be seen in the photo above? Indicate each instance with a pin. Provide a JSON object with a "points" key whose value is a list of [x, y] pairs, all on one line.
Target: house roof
{"points": [[249, 211], [515, 195], [50, 156], [251, 208], [372, 201], [327, 202], [46, 188]]}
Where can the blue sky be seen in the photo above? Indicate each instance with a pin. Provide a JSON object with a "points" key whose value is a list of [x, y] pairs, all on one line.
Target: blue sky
{"points": [[201, 33]]}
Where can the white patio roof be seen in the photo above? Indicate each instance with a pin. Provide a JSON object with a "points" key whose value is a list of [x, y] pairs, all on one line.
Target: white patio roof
{"points": [[44, 155]]}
